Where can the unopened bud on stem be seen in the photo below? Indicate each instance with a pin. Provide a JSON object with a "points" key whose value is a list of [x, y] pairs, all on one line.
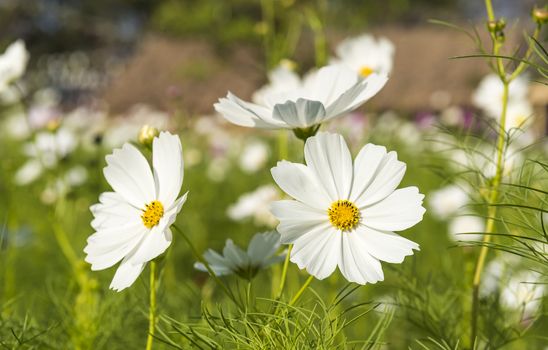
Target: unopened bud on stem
{"points": [[147, 135]]}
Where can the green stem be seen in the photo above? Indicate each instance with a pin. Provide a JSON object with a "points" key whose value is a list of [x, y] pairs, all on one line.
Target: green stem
{"points": [[528, 54], [492, 211], [284, 272], [301, 291], [152, 306], [490, 12], [200, 259]]}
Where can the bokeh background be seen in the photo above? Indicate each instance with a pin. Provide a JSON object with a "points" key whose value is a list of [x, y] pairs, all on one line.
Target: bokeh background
{"points": [[101, 69]]}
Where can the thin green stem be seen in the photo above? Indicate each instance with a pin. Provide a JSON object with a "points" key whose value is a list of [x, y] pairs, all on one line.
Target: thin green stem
{"points": [[282, 144], [490, 12], [284, 272], [521, 66], [200, 259], [490, 224], [152, 306], [301, 291]]}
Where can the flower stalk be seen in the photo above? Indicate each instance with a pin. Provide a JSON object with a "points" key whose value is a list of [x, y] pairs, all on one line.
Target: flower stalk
{"points": [[152, 306]]}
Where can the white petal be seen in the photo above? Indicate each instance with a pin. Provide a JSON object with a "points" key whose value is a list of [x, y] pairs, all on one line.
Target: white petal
{"points": [[113, 211], [296, 219], [386, 179], [167, 161], [329, 83], [129, 175], [328, 157], [356, 264], [262, 246], [385, 246], [126, 274], [299, 182], [154, 244], [107, 247], [399, 211], [366, 166], [247, 114], [217, 263], [234, 255], [318, 252], [374, 83], [300, 114]]}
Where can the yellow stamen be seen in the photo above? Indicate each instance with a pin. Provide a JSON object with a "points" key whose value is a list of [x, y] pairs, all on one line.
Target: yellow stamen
{"points": [[152, 214], [344, 215], [365, 71]]}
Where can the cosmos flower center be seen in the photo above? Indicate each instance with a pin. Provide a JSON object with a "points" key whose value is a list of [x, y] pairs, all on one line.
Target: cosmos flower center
{"points": [[152, 214], [365, 71], [343, 214]]}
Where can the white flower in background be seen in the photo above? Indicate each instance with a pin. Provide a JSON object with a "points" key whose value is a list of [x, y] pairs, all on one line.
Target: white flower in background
{"points": [[466, 228], [519, 289], [217, 169], [16, 126], [254, 156], [126, 128], [132, 223], [260, 254], [366, 55], [281, 80], [44, 153], [344, 214], [488, 95], [13, 63], [328, 93], [518, 115], [255, 205], [448, 201]]}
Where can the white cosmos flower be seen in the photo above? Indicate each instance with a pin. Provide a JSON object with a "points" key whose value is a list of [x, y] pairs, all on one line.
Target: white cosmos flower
{"points": [[255, 204], [344, 214], [325, 94], [448, 201], [466, 228], [132, 222], [13, 63], [366, 55], [254, 156], [489, 93], [260, 254]]}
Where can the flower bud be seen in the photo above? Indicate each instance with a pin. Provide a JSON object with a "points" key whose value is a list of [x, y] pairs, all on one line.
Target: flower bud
{"points": [[497, 28], [540, 15], [147, 134]]}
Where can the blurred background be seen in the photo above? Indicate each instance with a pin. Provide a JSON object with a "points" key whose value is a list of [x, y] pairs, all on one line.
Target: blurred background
{"points": [[101, 69]]}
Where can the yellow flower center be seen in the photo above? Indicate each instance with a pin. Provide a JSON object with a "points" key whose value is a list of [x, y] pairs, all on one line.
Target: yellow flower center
{"points": [[365, 71], [344, 215], [152, 214]]}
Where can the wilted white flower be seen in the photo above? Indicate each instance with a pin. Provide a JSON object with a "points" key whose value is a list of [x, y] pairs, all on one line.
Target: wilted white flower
{"points": [[255, 205], [366, 55], [254, 156], [344, 214], [13, 63], [132, 223], [448, 201], [260, 254], [466, 228], [328, 93]]}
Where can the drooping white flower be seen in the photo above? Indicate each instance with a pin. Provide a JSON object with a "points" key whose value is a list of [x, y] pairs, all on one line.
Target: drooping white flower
{"points": [[344, 213], [260, 254], [132, 223], [328, 93], [448, 201], [256, 205], [254, 156], [466, 228], [13, 63], [366, 55]]}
